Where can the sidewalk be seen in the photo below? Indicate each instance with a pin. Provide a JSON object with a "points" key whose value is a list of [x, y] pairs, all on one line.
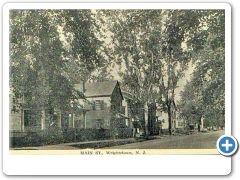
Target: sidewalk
{"points": [[87, 144], [81, 145]]}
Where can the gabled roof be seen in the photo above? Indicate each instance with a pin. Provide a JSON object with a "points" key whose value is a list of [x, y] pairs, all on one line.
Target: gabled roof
{"points": [[129, 96], [96, 89]]}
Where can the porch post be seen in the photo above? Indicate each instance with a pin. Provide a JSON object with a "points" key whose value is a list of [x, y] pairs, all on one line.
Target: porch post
{"points": [[73, 119], [22, 120], [43, 117], [85, 120], [202, 120], [22, 114], [70, 120], [60, 120]]}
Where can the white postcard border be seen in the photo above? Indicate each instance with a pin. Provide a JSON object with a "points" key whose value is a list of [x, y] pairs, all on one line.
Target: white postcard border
{"points": [[114, 165]]}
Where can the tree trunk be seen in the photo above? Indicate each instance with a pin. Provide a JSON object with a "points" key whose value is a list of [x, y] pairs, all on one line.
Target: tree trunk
{"points": [[199, 123], [169, 121], [146, 118]]}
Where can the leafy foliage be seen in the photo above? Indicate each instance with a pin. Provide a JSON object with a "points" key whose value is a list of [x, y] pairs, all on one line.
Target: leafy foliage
{"points": [[207, 86], [51, 50], [45, 61], [149, 44]]}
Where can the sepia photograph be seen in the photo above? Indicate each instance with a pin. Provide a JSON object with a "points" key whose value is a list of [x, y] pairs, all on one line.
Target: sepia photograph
{"points": [[116, 81]]}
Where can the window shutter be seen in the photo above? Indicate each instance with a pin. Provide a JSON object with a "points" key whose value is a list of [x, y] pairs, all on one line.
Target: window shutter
{"points": [[94, 105], [102, 105]]}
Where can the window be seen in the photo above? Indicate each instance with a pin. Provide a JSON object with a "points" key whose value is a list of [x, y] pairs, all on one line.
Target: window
{"points": [[29, 119], [99, 123], [14, 100], [15, 106], [123, 109], [116, 106], [14, 109], [98, 105], [180, 124], [78, 123], [113, 107]]}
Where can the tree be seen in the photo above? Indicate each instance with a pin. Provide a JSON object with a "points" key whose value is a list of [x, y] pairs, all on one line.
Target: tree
{"points": [[36, 59], [46, 47], [191, 107], [84, 40], [132, 49], [148, 45], [208, 82]]}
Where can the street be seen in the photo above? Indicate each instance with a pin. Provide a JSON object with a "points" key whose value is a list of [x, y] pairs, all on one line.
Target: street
{"points": [[195, 141], [205, 140]]}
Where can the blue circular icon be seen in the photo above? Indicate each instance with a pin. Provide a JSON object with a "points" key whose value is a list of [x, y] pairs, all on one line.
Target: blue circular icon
{"points": [[227, 145]]}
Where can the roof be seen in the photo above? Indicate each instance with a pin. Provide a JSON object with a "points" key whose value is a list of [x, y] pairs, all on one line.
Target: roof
{"points": [[123, 116], [129, 96], [95, 89]]}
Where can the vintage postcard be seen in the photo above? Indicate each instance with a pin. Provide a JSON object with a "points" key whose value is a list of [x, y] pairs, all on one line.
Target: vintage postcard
{"points": [[90, 82]]}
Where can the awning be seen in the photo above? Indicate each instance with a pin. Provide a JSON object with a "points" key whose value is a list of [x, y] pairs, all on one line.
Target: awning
{"points": [[123, 116]]}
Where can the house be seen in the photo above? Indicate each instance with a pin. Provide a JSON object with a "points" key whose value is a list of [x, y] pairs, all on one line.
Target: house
{"points": [[102, 106], [163, 117], [15, 118], [135, 111], [180, 123], [23, 118]]}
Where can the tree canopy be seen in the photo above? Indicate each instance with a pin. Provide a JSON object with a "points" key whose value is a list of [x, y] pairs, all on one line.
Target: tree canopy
{"points": [[207, 86], [51, 50], [155, 47]]}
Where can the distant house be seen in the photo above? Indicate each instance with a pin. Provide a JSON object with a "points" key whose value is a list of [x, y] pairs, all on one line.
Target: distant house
{"points": [[102, 106], [134, 108], [136, 112], [163, 117]]}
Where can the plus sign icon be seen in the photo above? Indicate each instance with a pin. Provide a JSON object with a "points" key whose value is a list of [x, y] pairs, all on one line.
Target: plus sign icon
{"points": [[227, 145]]}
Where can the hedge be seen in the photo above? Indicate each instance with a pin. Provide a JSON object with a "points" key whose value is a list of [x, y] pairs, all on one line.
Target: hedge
{"points": [[57, 136]]}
